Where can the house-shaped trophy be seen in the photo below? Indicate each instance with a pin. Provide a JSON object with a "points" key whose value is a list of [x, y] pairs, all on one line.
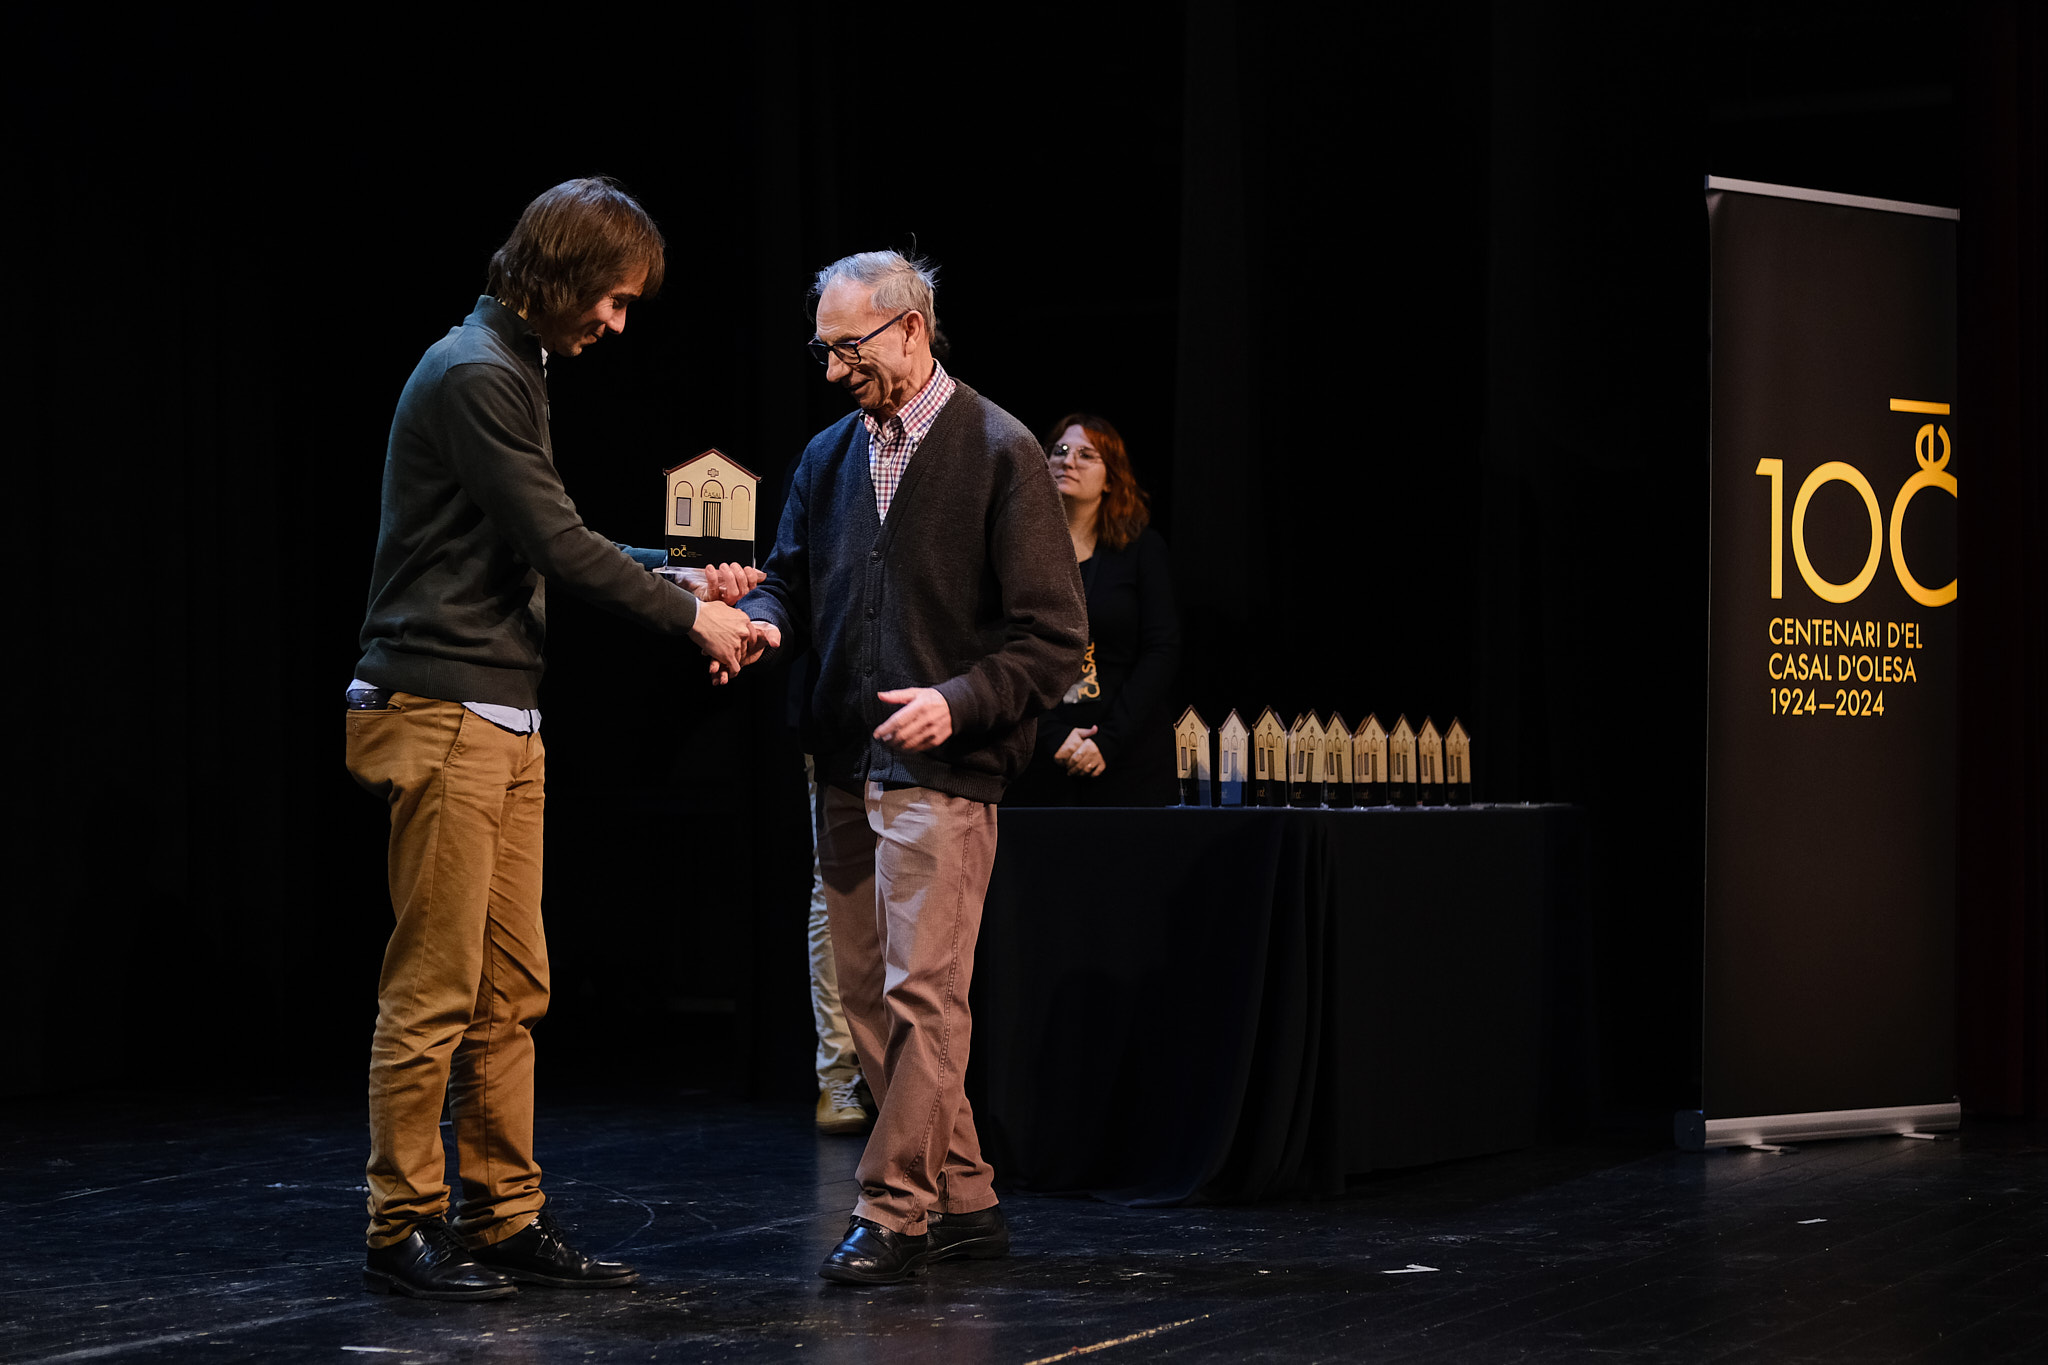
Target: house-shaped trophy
{"points": [[1269, 755], [1233, 755], [1429, 765], [711, 500], [1458, 764], [1305, 761], [1191, 757], [1401, 763], [1338, 764], [1369, 761]]}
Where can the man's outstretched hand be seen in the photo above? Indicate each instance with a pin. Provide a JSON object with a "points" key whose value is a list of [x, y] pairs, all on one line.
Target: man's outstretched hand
{"points": [[924, 722], [723, 633], [761, 637]]}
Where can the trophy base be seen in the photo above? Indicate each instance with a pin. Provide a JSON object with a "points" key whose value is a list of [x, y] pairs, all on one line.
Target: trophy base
{"points": [[698, 552]]}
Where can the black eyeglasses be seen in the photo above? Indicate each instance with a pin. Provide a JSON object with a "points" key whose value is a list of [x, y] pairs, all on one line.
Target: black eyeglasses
{"points": [[849, 351]]}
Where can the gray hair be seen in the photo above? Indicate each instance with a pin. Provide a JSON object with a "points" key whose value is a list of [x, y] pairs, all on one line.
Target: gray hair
{"points": [[896, 282]]}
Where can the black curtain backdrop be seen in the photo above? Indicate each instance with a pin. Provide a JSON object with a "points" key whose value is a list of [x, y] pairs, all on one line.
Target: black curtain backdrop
{"points": [[2002, 732], [1404, 320]]}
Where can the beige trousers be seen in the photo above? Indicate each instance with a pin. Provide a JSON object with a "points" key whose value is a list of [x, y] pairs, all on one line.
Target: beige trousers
{"points": [[837, 1061], [465, 974], [905, 873]]}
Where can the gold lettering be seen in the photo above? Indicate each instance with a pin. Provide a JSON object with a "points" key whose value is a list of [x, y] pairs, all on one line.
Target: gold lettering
{"points": [[1933, 474], [1849, 474], [1776, 470]]}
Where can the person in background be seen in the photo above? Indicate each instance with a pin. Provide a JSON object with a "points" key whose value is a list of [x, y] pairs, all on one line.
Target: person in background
{"points": [[1109, 742], [839, 1112]]}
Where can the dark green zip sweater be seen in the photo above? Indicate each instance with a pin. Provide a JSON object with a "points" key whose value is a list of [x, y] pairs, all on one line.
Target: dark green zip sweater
{"points": [[970, 587], [475, 524]]}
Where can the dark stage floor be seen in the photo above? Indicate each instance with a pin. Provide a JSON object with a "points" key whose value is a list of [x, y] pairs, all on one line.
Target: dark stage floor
{"points": [[148, 1229]]}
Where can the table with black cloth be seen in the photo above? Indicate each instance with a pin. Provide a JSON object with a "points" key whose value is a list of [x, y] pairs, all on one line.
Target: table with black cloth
{"points": [[1240, 1004]]}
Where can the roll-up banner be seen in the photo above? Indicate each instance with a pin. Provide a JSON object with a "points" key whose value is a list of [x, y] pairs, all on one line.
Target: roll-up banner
{"points": [[1831, 769]]}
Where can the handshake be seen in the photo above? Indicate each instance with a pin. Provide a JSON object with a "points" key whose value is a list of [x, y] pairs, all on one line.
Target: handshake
{"points": [[727, 636]]}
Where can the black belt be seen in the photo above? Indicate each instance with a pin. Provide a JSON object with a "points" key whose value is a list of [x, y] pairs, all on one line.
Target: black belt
{"points": [[369, 699]]}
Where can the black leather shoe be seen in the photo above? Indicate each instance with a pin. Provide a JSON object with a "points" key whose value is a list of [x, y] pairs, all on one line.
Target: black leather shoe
{"points": [[871, 1254], [432, 1263], [983, 1235], [539, 1253]]}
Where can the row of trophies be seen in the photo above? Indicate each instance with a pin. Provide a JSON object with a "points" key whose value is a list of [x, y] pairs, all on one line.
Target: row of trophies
{"points": [[1321, 763]]}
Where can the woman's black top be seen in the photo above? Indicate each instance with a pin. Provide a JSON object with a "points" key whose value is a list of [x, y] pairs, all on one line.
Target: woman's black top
{"points": [[1134, 648]]}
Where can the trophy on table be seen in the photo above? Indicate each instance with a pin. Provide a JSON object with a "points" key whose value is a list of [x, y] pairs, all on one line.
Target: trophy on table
{"points": [[1458, 764], [1339, 763], [1429, 765], [1233, 753], [1369, 761], [1269, 755], [1401, 764], [1305, 761], [1191, 757]]}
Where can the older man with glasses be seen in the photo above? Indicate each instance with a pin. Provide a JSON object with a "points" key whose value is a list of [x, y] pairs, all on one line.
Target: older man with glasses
{"points": [[923, 555]]}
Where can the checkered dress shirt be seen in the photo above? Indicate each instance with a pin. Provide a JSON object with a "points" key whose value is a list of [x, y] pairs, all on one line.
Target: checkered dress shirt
{"points": [[893, 442]]}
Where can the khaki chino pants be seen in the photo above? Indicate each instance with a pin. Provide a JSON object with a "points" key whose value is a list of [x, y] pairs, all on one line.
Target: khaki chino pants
{"points": [[465, 974], [837, 1062], [905, 873]]}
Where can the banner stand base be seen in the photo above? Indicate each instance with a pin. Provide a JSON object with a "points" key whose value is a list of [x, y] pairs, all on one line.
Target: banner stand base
{"points": [[1694, 1132]]}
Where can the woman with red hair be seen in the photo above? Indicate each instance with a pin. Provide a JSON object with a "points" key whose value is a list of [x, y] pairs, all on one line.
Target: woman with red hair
{"points": [[1109, 742]]}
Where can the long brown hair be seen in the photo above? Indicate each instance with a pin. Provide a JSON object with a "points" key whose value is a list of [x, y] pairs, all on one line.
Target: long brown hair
{"points": [[573, 243], [1126, 510]]}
